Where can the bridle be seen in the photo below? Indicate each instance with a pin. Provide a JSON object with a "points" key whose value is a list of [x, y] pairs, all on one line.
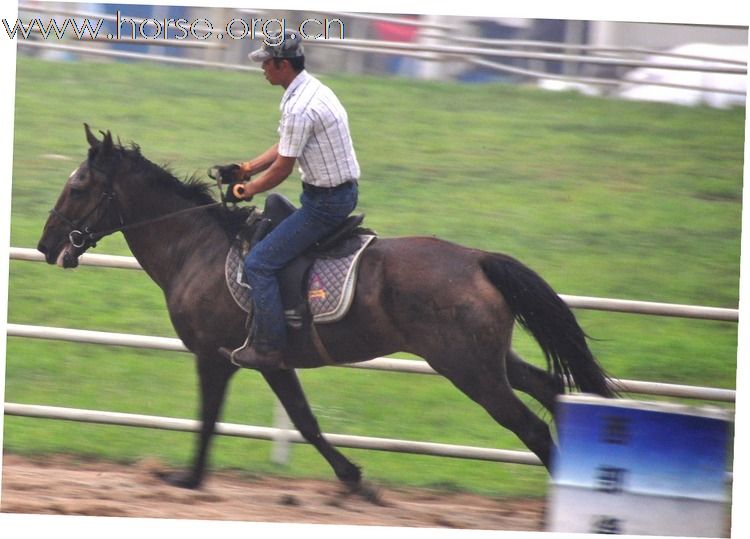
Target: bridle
{"points": [[85, 238]]}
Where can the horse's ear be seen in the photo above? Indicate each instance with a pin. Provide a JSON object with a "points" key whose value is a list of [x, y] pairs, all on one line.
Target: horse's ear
{"points": [[93, 141], [107, 144]]}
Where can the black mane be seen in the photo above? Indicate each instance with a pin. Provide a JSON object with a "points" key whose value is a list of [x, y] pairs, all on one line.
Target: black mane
{"points": [[192, 188]]}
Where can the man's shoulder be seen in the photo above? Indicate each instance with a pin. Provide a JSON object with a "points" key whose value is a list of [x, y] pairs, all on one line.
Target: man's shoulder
{"points": [[310, 97]]}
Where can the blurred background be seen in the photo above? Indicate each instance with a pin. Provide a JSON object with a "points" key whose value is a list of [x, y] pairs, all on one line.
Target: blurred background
{"points": [[608, 156], [698, 63]]}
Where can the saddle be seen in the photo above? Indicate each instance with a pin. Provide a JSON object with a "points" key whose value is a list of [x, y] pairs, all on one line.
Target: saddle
{"points": [[318, 286]]}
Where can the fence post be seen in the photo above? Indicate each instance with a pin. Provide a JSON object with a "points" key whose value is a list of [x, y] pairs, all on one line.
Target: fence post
{"points": [[574, 35], [433, 68], [281, 447]]}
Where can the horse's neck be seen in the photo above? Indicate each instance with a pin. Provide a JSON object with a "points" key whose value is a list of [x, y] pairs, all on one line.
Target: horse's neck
{"points": [[164, 245]]}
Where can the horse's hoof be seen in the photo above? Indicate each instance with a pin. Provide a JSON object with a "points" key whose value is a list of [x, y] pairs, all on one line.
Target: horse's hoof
{"points": [[179, 479], [349, 474], [367, 492]]}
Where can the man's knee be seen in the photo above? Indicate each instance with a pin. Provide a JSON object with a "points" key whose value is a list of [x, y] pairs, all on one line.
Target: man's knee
{"points": [[256, 267]]}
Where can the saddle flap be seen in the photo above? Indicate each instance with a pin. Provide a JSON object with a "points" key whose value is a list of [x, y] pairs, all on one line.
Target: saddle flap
{"points": [[322, 287], [332, 281]]}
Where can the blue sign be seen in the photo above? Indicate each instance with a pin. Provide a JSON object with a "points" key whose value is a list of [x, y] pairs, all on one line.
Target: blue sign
{"points": [[639, 468]]}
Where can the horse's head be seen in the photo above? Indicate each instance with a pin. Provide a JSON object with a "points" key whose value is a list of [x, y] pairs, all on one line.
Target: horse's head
{"points": [[86, 207]]}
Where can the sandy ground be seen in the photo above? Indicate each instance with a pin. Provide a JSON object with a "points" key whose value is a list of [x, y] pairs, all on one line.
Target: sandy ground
{"points": [[62, 485]]}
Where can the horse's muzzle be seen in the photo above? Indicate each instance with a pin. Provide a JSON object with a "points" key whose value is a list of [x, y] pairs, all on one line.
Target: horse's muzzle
{"points": [[65, 257], [68, 257]]}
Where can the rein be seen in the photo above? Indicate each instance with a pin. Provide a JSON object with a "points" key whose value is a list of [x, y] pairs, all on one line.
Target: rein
{"points": [[156, 219], [88, 238]]}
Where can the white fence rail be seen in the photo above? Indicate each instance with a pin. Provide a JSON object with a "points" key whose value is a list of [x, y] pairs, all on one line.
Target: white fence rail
{"points": [[284, 436], [272, 434], [461, 51], [449, 53], [381, 364], [91, 51]]}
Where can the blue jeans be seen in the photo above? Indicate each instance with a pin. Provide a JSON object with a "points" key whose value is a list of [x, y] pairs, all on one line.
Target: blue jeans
{"points": [[320, 214]]}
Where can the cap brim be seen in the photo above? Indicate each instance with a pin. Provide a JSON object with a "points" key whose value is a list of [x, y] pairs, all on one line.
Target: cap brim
{"points": [[259, 55]]}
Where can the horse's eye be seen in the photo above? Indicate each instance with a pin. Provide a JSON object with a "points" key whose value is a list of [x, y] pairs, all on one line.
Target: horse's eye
{"points": [[77, 191]]}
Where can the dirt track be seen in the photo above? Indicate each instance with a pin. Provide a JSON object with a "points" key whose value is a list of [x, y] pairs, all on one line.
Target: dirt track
{"points": [[61, 485]]}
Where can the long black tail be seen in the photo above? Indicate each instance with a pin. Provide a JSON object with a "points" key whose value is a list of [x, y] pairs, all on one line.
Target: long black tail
{"points": [[541, 311]]}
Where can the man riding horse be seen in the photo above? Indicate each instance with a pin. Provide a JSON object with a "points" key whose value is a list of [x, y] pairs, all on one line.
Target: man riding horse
{"points": [[453, 306], [313, 130]]}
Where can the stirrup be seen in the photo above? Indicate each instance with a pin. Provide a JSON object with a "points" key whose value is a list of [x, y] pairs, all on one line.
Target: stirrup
{"points": [[244, 345], [250, 358]]}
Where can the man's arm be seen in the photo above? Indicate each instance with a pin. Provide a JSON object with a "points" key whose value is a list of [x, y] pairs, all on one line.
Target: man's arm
{"points": [[276, 172], [260, 163]]}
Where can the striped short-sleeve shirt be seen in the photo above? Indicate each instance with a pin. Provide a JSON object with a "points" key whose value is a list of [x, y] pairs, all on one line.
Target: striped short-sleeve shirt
{"points": [[314, 128]]}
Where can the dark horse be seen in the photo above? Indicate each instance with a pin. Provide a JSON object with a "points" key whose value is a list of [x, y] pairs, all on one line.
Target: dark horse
{"points": [[453, 306]]}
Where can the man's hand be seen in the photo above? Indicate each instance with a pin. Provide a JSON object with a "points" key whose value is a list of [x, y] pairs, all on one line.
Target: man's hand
{"points": [[227, 173], [230, 195], [238, 176], [241, 191]]}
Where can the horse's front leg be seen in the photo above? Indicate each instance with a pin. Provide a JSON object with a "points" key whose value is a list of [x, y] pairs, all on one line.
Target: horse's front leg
{"points": [[213, 375], [286, 385]]}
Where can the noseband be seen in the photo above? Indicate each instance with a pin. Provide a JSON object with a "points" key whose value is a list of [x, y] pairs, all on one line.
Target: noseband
{"points": [[86, 238]]}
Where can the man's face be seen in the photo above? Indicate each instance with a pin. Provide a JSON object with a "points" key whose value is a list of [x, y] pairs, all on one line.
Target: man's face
{"points": [[274, 74]]}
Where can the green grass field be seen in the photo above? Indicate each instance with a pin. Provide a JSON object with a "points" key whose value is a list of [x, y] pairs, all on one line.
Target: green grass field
{"points": [[601, 197]]}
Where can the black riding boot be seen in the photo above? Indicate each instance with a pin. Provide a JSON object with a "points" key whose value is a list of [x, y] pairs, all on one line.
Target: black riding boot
{"points": [[250, 357]]}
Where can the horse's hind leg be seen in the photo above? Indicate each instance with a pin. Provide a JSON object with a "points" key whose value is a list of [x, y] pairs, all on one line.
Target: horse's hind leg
{"points": [[289, 391], [493, 392], [533, 381]]}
